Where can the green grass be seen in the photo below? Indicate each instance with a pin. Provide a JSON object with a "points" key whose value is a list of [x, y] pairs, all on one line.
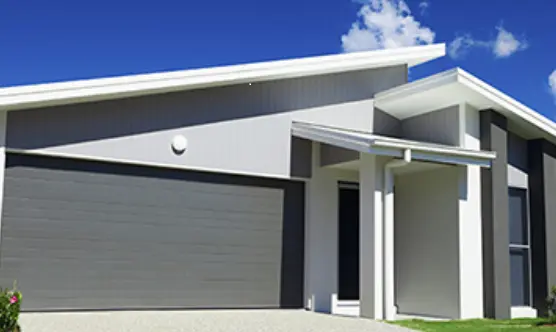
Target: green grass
{"points": [[476, 325]]}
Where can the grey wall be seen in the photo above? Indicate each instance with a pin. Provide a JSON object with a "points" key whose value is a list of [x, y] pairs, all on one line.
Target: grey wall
{"points": [[89, 235], [542, 198], [330, 155], [441, 126], [517, 161], [241, 128], [301, 158], [426, 239], [386, 124], [494, 206]]}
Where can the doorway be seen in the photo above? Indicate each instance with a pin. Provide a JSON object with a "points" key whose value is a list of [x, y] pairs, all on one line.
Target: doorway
{"points": [[348, 241]]}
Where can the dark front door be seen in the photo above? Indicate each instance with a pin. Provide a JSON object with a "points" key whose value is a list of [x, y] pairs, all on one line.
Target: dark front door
{"points": [[348, 242]]}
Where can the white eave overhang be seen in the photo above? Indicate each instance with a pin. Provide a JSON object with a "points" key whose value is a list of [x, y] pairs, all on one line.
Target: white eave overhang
{"points": [[41, 95], [388, 146], [456, 87]]}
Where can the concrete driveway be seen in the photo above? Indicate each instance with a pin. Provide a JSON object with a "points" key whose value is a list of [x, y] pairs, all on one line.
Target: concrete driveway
{"points": [[202, 320]]}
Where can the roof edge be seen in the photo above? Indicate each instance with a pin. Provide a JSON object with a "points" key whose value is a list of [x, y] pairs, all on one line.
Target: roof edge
{"points": [[12, 98], [502, 101]]}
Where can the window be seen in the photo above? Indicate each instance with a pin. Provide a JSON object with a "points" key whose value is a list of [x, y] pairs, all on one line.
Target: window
{"points": [[520, 267]]}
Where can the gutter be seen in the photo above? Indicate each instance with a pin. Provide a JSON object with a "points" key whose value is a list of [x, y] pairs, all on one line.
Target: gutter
{"points": [[388, 221]]}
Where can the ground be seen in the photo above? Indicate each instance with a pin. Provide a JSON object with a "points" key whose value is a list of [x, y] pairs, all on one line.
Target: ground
{"points": [[200, 320], [477, 325]]}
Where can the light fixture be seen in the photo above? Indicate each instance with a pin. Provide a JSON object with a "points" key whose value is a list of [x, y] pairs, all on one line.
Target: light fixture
{"points": [[179, 144]]}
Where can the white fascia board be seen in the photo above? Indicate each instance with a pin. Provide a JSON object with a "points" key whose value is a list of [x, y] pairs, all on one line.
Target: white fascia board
{"points": [[375, 144], [457, 86], [507, 104], [14, 98]]}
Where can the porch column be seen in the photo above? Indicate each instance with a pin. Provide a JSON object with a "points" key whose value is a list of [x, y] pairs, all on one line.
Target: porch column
{"points": [[495, 205], [371, 238], [321, 236]]}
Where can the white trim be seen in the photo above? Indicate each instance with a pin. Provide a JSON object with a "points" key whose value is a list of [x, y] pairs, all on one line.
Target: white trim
{"points": [[369, 143], [150, 164], [523, 312], [345, 307], [39, 95], [470, 90]]}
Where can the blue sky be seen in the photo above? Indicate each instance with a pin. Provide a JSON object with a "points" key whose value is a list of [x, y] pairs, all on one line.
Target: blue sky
{"points": [[509, 44]]}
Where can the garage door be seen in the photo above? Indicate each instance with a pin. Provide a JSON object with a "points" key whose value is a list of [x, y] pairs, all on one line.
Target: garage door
{"points": [[89, 235]]}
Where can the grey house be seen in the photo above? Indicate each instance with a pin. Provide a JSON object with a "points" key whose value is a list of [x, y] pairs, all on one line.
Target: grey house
{"points": [[271, 185]]}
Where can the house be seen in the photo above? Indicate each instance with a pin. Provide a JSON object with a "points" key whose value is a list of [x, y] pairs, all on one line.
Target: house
{"points": [[271, 185]]}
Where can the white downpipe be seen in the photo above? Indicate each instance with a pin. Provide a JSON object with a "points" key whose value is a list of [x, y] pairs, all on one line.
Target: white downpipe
{"points": [[388, 214]]}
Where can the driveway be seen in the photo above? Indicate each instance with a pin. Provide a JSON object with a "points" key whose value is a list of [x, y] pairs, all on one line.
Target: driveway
{"points": [[202, 320]]}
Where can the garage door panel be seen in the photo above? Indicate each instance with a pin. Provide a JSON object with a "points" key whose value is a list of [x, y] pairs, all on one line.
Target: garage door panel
{"points": [[52, 212], [134, 181], [174, 235], [83, 235], [124, 197]]}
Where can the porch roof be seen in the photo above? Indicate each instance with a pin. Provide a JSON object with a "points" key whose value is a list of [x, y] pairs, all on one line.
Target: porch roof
{"points": [[389, 146]]}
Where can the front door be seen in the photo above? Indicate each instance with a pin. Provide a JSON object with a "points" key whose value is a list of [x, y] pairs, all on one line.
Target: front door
{"points": [[348, 242]]}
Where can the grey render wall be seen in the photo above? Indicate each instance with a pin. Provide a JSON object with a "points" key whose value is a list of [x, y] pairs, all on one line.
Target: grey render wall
{"points": [[240, 129], [517, 161], [441, 126], [426, 240], [494, 207], [542, 198], [386, 124]]}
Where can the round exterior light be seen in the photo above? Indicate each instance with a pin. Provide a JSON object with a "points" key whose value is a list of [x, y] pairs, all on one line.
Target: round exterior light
{"points": [[179, 144]]}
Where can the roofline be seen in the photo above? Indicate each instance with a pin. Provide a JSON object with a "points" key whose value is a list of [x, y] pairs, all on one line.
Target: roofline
{"points": [[21, 97], [383, 145], [458, 75]]}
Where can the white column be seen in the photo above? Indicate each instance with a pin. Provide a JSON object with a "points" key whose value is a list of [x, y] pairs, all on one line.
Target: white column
{"points": [[371, 233], [389, 278], [470, 243], [469, 223], [321, 245]]}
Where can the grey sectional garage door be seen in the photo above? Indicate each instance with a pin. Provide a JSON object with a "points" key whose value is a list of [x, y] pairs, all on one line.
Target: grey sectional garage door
{"points": [[88, 235]]}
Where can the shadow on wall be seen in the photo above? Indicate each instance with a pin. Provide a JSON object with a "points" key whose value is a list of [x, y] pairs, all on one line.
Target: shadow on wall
{"points": [[70, 124]]}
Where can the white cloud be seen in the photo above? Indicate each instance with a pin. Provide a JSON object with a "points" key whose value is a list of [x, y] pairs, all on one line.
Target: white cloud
{"points": [[383, 24], [552, 83], [461, 45], [504, 45], [424, 6], [507, 44]]}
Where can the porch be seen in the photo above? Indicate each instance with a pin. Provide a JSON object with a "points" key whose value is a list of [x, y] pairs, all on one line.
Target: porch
{"points": [[374, 253]]}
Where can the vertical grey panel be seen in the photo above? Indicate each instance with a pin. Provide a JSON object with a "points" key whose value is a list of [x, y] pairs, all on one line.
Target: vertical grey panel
{"points": [[494, 193], [301, 157], [517, 161], [86, 235], [550, 211], [441, 126], [330, 155], [386, 124], [542, 195]]}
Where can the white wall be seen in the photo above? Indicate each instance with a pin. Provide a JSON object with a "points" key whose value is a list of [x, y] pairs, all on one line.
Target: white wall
{"points": [[426, 243]]}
